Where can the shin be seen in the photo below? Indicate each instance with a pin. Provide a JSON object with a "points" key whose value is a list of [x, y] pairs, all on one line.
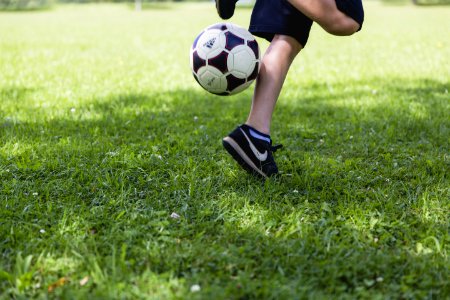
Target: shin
{"points": [[274, 68]]}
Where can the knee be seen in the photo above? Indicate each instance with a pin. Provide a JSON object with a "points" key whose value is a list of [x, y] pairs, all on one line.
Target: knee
{"points": [[342, 27], [290, 45]]}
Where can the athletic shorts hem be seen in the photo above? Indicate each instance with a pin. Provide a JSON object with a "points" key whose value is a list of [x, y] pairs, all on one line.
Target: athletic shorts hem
{"points": [[268, 32], [270, 17]]}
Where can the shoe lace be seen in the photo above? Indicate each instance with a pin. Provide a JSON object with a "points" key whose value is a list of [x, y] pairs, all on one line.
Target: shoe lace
{"points": [[276, 147]]}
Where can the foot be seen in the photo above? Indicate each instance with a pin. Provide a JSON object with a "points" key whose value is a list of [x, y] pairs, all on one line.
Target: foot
{"points": [[225, 8], [253, 154]]}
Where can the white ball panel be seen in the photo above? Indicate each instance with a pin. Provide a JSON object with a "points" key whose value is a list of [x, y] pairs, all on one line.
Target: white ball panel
{"points": [[242, 62], [240, 31], [210, 43], [212, 79], [241, 88]]}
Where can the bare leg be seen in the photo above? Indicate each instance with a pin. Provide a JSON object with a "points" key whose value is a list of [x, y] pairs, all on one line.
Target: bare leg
{"points": [[327, 15], [274, 68]]}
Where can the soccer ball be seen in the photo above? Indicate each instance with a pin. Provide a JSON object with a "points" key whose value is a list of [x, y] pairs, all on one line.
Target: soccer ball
{"points": [[225, 59]]}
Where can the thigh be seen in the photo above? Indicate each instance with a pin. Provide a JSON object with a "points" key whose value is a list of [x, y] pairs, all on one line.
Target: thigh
{"points": [[329, 12], [328, 15], [317, 10]]}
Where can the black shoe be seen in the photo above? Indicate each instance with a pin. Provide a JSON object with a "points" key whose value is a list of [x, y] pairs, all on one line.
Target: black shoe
{"points": [[225, 8], [253, 154]]}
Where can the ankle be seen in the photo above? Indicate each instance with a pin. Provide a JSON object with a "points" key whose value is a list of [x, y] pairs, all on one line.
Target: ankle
{"points": [[259, 127]]}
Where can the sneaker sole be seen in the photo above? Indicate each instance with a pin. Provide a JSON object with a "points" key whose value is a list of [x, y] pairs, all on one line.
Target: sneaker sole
{"points": [[239, 155]]}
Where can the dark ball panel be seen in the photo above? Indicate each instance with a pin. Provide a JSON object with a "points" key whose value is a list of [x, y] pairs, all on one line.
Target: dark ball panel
{"points": [[254, 73], [219, 62], [233, 82], [232, 40], [222, 94], [254, 46], [198, 62]]}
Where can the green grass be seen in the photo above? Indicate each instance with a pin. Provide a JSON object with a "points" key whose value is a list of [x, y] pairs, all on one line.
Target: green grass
{"points": [[104, 134]]}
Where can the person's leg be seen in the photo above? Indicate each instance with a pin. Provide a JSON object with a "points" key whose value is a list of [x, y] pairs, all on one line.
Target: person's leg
{"points": [[327, 15], [274, 68], [287, 30], [250, 144]]}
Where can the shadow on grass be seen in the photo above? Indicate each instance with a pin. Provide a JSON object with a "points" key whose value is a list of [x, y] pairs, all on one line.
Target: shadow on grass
{"points": [[346, 217]]}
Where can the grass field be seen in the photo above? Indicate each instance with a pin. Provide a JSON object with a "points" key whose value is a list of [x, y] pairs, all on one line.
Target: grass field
{"points": [[104, 134]]}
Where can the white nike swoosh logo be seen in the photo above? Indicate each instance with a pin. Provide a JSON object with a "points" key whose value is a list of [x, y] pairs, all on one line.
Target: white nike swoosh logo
{"points": [[260, 156]]}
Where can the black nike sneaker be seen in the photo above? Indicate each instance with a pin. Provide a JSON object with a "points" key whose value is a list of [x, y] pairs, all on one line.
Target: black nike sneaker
{"points": [[253, 154], [225, 8]]}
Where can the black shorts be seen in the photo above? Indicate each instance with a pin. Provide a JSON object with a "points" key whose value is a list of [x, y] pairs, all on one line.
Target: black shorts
{"points": [[270, 17]]}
